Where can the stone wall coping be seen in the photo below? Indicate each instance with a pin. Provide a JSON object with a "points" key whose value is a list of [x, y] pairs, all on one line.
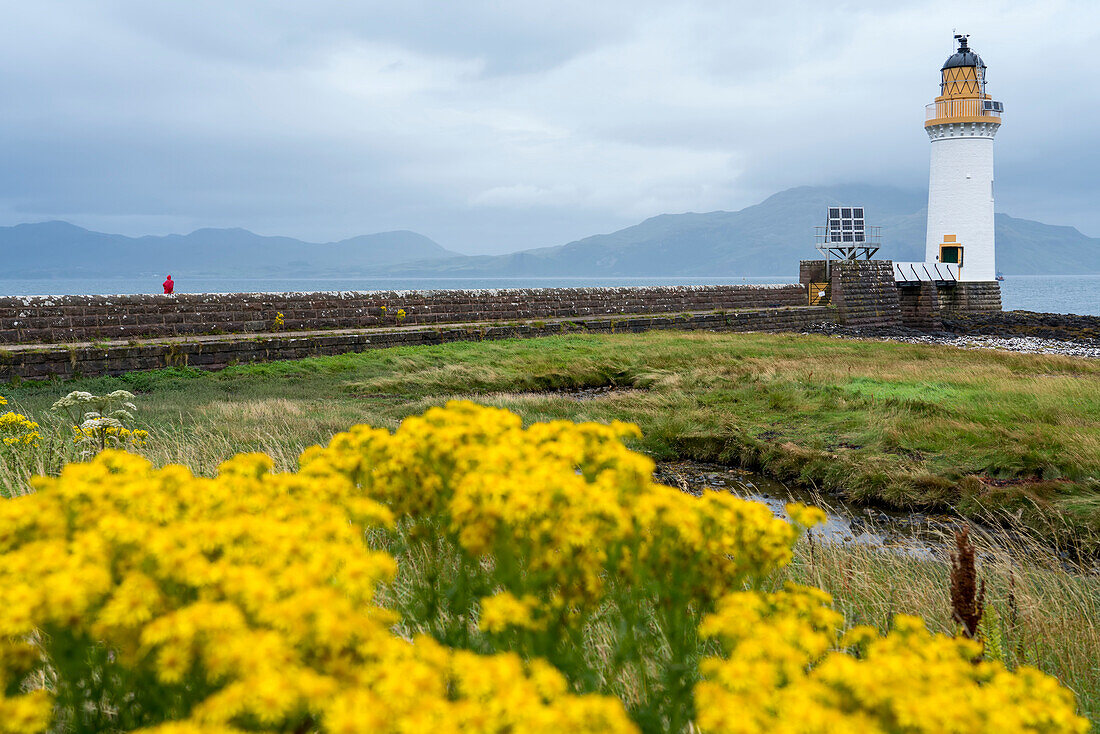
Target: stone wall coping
{"points": [[58, 300]]}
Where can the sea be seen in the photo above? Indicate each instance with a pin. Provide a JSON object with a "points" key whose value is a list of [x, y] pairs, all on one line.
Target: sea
{"points": [[1071, 294]]}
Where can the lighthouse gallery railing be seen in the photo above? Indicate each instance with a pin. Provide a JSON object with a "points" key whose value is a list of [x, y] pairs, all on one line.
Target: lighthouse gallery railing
{"points": [[963, 108]]}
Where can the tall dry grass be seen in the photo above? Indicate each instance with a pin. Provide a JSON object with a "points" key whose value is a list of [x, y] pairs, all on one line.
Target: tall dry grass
{"points": [[1041, 609]]}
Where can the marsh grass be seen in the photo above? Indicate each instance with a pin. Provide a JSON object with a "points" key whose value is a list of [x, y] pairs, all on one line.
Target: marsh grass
{"points": [[911, 426]]}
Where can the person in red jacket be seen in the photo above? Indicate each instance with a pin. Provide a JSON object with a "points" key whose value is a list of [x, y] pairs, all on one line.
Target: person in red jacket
{"points": [[169, 285]]}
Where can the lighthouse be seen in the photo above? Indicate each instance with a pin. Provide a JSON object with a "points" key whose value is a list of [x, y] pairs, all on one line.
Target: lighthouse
{"points": [[961, 124]]}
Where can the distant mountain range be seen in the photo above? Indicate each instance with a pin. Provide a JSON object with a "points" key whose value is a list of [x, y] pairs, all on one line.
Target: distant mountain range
{"points": [[769, 239], [60, 249], [765, 239]]}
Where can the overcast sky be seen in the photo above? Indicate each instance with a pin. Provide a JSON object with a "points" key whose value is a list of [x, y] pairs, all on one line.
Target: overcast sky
{"points": [[496, 126]]}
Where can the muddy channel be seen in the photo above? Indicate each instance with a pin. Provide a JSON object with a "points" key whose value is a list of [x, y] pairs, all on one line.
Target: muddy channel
{"points": [[921, 535]]}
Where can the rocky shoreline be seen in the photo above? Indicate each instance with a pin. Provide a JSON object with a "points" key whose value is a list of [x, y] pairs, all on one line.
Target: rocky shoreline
{"points": [[1014, 331]]}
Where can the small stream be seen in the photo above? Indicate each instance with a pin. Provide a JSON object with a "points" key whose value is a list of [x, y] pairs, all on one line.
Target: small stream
{"points": [[911, 533], [916, 534]]}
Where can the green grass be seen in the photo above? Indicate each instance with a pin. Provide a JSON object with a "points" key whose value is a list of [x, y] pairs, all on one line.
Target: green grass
{"points": [[905, 425]]}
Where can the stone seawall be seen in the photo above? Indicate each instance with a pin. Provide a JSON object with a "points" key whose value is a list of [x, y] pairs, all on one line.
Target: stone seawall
{"points": [[68, 336], [56, 319], [920, 307], [975, 297], [209, 352], [865, 293]]}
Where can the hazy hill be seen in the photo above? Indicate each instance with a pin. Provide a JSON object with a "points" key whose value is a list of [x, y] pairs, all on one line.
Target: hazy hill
{"points": [[62, 249], [769, 239]]}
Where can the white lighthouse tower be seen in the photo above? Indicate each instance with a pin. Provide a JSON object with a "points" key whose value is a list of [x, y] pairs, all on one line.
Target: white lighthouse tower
{"points": [[961, 124]]}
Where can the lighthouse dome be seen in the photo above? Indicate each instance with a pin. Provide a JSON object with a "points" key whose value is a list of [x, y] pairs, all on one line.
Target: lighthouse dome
{"points": [[965, 56]]}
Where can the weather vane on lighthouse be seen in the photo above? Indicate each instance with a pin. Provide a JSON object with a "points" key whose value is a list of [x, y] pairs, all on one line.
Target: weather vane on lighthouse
{"points": [[961, 124]]}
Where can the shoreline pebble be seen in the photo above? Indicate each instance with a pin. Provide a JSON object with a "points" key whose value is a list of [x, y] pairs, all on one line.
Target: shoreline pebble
{"points": [[1024, 332]]}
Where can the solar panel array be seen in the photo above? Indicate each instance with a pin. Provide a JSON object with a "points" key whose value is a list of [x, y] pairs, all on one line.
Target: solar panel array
{"points": [[845, 224]]}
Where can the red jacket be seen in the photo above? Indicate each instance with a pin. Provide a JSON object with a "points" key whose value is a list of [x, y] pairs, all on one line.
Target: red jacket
{"points": [[169, 285]]}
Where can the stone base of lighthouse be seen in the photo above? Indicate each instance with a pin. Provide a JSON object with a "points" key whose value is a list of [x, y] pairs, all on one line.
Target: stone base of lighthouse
{"points": [[865, 294], [973, 297]]}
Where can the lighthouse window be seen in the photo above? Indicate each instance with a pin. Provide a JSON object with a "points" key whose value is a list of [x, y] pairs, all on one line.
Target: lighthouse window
{"points": [[834, 213], [857, 213], [846, 213], [951, 254], [847, 236]]}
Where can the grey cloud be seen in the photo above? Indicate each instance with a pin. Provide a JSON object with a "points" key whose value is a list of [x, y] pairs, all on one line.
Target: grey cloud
{"points": [[495, 126]]}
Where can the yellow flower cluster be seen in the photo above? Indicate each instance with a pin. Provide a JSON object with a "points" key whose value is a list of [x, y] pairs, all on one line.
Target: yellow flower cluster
{"points": [[570, 502], [117, 436], [502, 611], [30, 712], [788, 668], [155, 600], [17, 429], [244, 601]]}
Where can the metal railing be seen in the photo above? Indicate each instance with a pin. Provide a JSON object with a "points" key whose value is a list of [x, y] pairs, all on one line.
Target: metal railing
{"points": [[926, 272], [867, 237], [963, 108]]}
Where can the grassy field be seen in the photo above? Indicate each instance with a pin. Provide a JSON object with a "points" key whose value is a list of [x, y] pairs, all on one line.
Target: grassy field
{"points": [[905, 425], [910, 426]]}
